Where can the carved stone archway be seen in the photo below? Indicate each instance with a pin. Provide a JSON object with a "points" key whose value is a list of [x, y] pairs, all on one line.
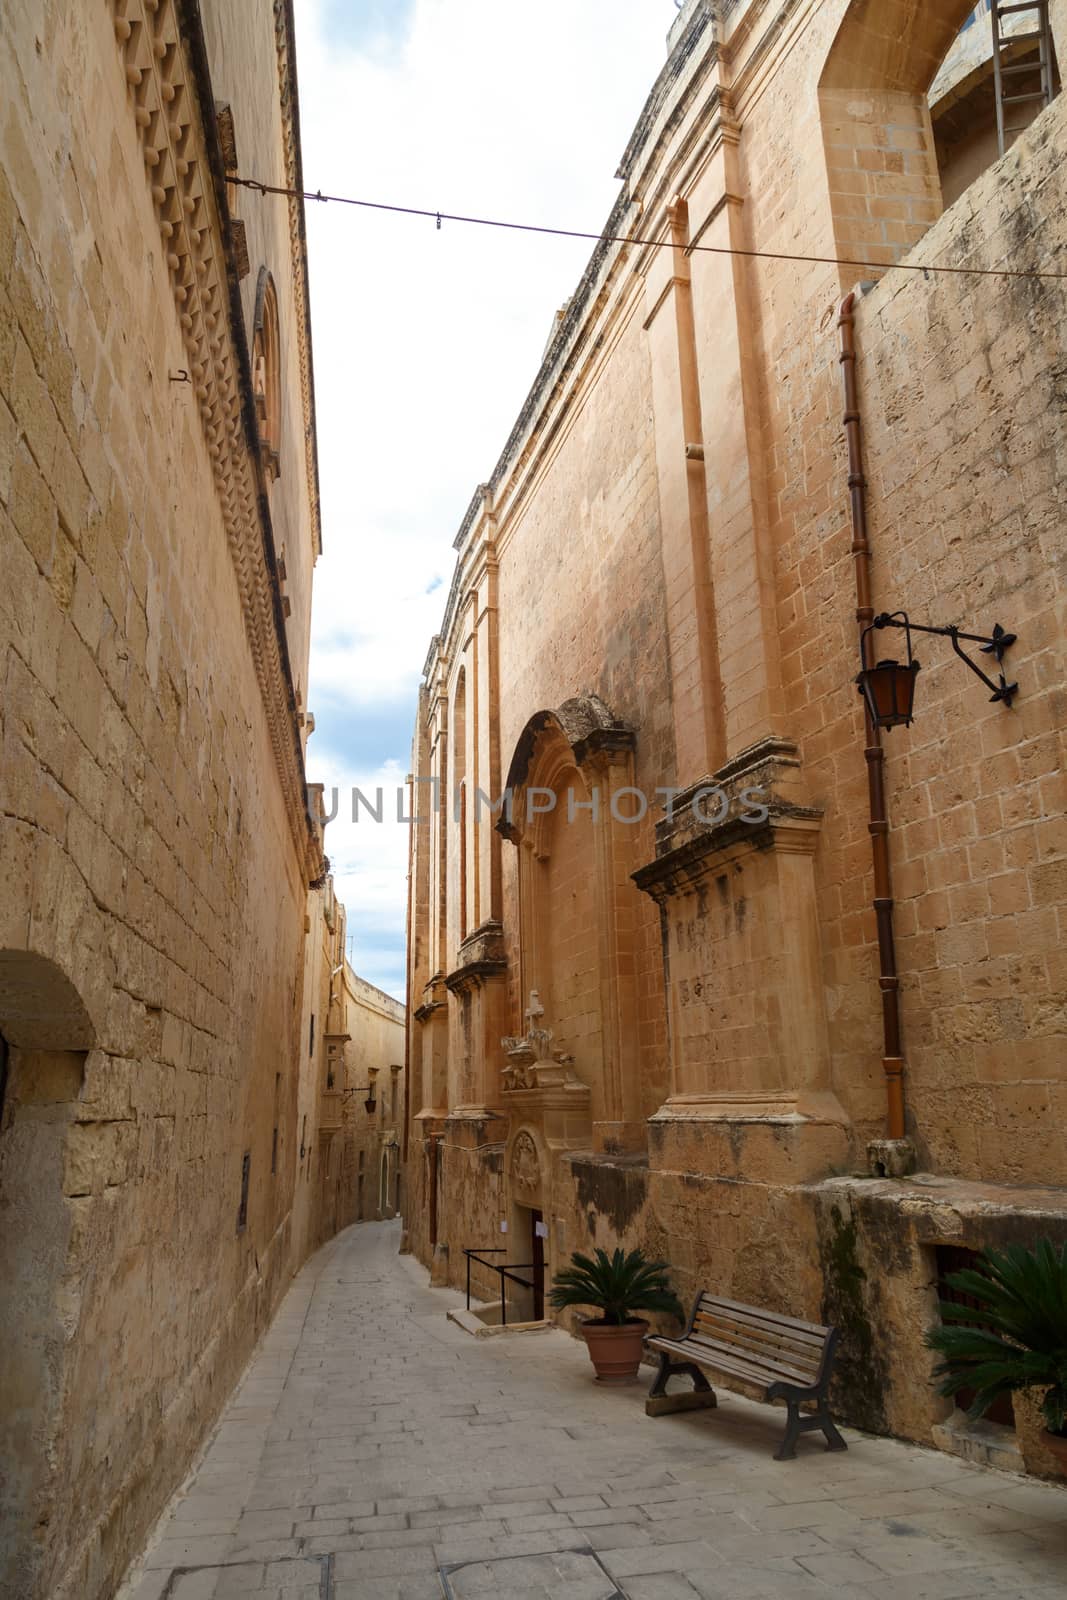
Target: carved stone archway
{"points": [[569, 768]]}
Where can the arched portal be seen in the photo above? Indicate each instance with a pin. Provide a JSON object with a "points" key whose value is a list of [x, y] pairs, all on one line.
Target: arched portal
{"points": [[571, 795], [45, 1036]]}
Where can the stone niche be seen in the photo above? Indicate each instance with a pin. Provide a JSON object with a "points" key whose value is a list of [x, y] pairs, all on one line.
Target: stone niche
{"points": [[750, 1061]]}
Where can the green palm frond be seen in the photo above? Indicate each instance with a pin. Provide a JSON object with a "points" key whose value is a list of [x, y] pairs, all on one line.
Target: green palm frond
{"points": [[617, 1285], [1015, 1337]]}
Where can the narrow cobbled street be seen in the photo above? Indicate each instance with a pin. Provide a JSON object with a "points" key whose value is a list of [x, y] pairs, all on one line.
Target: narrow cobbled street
{"points": [[374, 1451]]}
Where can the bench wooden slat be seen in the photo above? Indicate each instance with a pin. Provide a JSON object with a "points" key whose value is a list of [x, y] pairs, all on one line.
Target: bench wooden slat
{"points": [[804, 1356], [747, 1328], [809, 1332], [776, 1362], [814, 1328], [753, 1325], [737, 1368], [724, 1358]]}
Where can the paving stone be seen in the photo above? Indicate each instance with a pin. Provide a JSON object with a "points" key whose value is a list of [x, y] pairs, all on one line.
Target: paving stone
{"points": [[479, 1453], [623, 1536], [195, 1585], [241, 1580], [661, 1586], [149, 1586], [658, 1558], [426, 1588]]}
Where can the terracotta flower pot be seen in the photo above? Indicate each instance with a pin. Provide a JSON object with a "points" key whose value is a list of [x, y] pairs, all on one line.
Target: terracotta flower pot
{"points": [[1056, 1444], [615, 1349]]}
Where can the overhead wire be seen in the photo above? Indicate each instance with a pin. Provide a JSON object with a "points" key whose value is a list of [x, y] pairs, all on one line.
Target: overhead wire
{"points": [[439, 217]]}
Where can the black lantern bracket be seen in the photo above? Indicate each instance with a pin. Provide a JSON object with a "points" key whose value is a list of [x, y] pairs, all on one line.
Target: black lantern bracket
{"points": [[370, 1103], [994, 644]]}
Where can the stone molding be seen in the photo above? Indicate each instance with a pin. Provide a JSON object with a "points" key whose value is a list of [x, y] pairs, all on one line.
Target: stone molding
{"points": [[787, 829], [294, 179], [163, 60], [481, 956], [687, 849]]}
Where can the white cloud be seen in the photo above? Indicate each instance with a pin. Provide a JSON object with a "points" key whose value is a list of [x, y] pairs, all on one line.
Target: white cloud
{"points": [[426, 341]]}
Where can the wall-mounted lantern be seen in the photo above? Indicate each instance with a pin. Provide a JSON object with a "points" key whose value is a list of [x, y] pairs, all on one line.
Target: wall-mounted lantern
{"points": [[370, 1103], [888, 687]]}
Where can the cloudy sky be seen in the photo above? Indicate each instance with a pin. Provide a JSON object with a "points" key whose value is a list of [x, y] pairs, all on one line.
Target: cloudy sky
{"points": [[426, 341]]}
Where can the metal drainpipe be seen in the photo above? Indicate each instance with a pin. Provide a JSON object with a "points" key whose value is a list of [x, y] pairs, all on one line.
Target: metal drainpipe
{"points": [[878, 825]]}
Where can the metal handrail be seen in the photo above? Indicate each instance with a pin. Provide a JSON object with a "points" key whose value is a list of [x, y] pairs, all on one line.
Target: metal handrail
{"points": [[504, 1270]]}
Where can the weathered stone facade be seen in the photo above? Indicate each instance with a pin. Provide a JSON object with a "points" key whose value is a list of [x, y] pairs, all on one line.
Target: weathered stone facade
{"points": [[352, 1094], [158, 531], [656, 590]]}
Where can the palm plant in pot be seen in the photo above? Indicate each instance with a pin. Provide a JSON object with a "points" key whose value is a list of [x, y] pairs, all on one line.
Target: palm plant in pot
{"points": [[617, 1286], [1013, 1336]]}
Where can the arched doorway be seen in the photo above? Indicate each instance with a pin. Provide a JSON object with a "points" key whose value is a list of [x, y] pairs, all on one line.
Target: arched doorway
{"points": [[45, 1037]]}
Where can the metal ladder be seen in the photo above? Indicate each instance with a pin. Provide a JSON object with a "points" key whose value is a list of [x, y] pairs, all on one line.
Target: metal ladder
{"points": [[1005, 71]]}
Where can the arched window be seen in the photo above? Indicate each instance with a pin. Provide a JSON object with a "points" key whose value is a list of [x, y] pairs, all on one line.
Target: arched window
{"points": [[266, 371]]}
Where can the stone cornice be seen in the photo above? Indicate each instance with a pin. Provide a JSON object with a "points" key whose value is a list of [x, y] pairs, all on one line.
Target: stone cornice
{"points": [[164, 60], [480, 956], [285, 40], [787, 829]]}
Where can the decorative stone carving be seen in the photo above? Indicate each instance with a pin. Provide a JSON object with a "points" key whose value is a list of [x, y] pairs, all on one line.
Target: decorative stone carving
{"points": [[532, 1062], [294, 180], [525, 1165], [174, 127]]}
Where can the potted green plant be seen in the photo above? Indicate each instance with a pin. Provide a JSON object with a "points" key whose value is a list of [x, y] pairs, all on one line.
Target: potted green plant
{"points": [[1013, 1337], [616, 1286]]}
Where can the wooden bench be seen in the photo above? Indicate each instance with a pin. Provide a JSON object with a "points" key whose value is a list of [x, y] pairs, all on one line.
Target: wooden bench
{"points": [[787, 1359]]}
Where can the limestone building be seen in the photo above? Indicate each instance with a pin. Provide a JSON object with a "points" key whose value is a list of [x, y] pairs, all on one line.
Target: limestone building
{"points": [[351, 1111], [159, 525], [731, 973], [375, 1106]]}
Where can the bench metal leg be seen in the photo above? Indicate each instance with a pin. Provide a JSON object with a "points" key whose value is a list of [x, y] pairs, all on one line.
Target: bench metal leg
{"points": [[669, 1369], [659, 1403], [800, 1422], [788, 1448], [659, 1383]]}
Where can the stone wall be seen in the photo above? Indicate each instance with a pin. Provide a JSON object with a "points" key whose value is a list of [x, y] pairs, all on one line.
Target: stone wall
{"points": [[374, 1055], [154, 845], [656, 588]]}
